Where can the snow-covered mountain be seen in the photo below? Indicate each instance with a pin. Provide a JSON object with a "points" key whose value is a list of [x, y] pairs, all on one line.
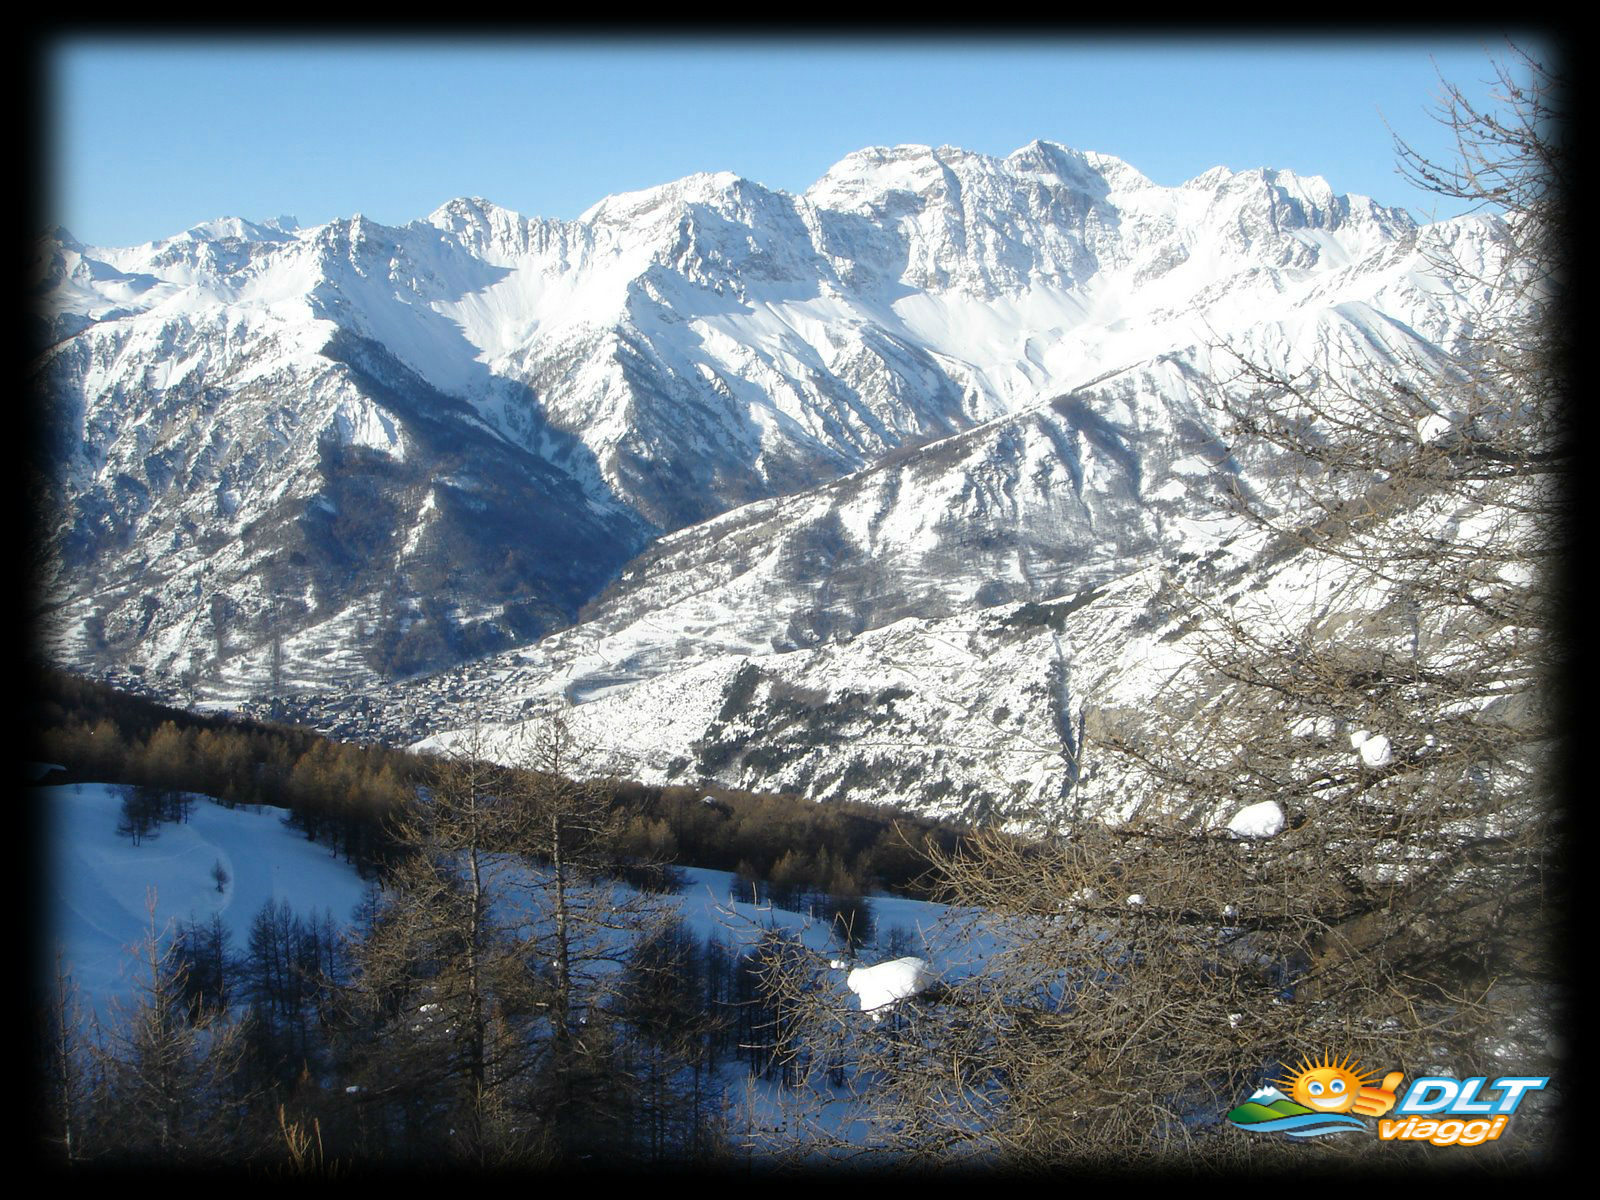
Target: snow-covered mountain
{"points": [[978, 716], [723, 425]]}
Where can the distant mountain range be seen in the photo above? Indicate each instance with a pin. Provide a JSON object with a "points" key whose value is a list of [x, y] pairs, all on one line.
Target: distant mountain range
{"points": [[758, 481]]}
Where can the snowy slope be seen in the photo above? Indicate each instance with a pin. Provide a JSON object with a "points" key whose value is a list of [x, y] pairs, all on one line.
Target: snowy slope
{"points": [[96, 885], [990, 714], [97, 882], [1050, 501]]}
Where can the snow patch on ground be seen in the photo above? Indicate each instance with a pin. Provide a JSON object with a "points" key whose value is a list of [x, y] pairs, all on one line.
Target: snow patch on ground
{"points": [[97, 881]]}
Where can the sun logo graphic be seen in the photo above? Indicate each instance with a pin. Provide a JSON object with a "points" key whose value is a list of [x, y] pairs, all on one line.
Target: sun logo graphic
{"points": [[1321, 1095]]}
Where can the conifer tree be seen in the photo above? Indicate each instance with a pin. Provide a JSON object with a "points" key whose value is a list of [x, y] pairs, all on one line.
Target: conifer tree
{"points": [[585, 929], [173, 1086], [441, 969], [480, 995], [65, 1071]]}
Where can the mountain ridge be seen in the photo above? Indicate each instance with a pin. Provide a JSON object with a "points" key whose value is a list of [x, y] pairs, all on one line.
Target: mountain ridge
{"points": [[976, 379]]}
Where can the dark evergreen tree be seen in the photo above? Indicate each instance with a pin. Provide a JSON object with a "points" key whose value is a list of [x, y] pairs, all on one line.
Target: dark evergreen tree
{"points": [[140, 816], [174, 1092], [204, 965]]}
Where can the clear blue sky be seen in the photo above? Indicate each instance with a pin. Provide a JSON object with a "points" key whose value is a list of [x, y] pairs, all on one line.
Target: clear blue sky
{"points": [[146, 137]]}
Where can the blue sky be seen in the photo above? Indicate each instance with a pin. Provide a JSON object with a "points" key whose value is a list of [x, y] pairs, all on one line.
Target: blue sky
{"points": [[146, 137]]}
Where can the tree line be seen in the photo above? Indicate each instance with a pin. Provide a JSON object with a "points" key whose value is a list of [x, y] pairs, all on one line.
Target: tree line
{"points": [[346, 795]]}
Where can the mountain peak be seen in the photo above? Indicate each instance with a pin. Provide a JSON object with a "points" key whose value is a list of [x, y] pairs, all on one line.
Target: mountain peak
{"points": [[237, 229], [1214, 177], [61, 235], [469, 208], [1082, 169], [475, 219], [872, 172], [872, 159], [702, 187]]}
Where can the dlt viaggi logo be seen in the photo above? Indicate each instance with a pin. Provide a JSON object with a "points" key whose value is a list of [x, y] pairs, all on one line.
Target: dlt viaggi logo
{"points": [[1439, 1109]]}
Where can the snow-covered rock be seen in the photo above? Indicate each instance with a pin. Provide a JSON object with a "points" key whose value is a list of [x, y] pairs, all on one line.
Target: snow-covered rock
{"points": [[1321, 728], [1517, 574], [1257, 820], [1376, 751], [879, 986], [1438, 427]]}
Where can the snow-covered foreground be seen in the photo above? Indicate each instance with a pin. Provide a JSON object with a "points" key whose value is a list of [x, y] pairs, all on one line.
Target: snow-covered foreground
{"points": [[97, 885], [97, 881], [948, 938]]}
